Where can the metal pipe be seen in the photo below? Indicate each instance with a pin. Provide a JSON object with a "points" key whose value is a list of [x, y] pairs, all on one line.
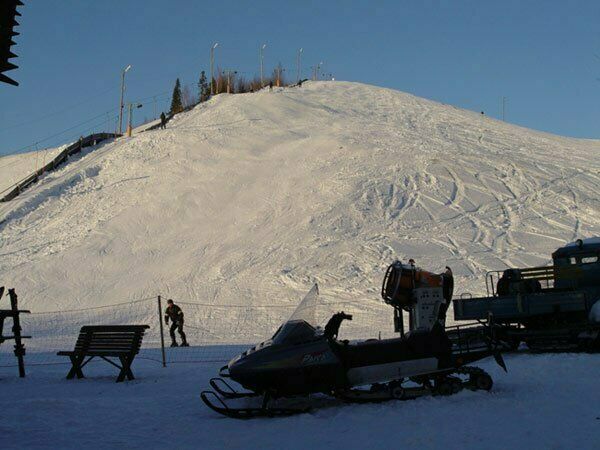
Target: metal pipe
{"points": [[212, 63], [162, 334], [122, 94], [298, 65], [262, 57]]}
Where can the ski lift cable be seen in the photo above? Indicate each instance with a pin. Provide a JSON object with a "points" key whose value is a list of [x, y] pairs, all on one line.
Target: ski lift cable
{"points": [[60, 111]]}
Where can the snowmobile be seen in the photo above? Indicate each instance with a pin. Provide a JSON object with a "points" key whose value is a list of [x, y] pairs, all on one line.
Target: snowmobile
{"points": [[303, 359], [551, 308]]}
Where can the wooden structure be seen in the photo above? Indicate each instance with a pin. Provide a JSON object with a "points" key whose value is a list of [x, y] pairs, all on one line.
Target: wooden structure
{"points": [[105, 342], [14, 313]]}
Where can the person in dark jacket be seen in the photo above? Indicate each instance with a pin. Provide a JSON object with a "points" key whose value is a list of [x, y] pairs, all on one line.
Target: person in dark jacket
{"points": [[163, 121], [175, 313]]}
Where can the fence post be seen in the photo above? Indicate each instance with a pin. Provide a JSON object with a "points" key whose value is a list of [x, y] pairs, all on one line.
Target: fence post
{"points": [[19, 347], [162, 335]]}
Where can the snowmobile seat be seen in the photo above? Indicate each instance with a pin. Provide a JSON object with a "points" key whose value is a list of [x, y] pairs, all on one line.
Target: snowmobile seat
{"points": [[106, 341], [415, 345]]}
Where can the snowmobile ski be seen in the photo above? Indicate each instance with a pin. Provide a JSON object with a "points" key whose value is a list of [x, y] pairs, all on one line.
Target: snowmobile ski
{"points": [[227, 391], [248, 413]]}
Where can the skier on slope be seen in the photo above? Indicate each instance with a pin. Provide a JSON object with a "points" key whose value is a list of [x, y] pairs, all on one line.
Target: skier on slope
{"points": [[163, 121], [175, 313]]}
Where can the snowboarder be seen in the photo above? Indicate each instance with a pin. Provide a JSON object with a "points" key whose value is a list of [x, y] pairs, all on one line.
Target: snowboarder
{"points": [[163, 121], [175, 313], [270, 85]]}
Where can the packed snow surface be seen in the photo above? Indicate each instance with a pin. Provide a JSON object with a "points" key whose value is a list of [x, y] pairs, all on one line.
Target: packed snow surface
{"points": [[250, 198], [543, 402]]}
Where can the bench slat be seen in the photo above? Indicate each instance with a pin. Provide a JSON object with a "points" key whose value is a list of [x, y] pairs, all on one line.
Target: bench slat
{"points": [[113, 328]]}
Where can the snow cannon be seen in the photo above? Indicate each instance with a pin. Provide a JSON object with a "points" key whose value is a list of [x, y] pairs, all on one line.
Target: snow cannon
{"points": [[423, 294]]}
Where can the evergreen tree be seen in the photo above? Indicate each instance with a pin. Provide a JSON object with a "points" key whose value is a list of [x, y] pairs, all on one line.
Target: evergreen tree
{"points": [[176, 104], [203, 87]]}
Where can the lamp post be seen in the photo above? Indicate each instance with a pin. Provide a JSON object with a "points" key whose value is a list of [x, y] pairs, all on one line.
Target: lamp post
{"points": [[130, 118], [316, 70], [228, 73], [121, 102], [262, 57], [298, 65], [212, 63], [278, 71]]}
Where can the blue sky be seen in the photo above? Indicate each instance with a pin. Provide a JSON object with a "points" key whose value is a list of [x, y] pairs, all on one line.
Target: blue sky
{"points": [[538, 54]]}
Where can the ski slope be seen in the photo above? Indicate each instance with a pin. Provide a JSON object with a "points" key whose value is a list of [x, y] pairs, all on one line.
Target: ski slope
{"points": [[250, 198]]}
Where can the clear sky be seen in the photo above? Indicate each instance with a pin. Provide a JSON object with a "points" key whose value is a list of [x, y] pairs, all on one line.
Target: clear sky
{"points": [[468, 53]]}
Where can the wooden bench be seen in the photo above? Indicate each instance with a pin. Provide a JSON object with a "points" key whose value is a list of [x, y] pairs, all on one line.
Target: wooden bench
{"points": [[106, 341]]}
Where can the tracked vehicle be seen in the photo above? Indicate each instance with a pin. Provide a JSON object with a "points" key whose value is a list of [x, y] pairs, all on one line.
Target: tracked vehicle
{"points": [[548, 308], [303, 359]]}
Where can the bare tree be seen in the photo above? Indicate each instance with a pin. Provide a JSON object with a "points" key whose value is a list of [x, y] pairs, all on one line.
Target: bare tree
{"points": [[187, 97]]}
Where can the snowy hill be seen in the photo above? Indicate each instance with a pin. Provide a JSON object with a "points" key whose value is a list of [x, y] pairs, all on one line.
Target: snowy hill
{"points": [[250, 198]]}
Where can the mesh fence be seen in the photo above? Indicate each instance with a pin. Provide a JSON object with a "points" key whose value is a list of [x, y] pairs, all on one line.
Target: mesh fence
{"points": [[215, 332]]}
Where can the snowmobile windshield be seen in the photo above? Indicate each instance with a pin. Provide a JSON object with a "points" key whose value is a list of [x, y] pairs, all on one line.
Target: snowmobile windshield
{"points": [[307, 309], [301, 326], [294, 332]]}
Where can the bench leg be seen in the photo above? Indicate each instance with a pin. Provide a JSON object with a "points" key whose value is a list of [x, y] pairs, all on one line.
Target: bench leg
{"points": [[125, 369], [76, 367]]}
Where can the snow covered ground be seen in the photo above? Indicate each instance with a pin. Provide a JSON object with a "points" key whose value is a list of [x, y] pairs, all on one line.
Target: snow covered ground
{"points": [[543, 402], [250, 198], [238, 208], [13, 168]]}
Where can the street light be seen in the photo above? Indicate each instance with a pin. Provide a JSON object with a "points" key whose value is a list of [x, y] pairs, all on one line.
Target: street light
{"points": [[212, 63], [130, 118], [316, 70], [125, 70], [298, 65], [228, 72], [262, 57]]}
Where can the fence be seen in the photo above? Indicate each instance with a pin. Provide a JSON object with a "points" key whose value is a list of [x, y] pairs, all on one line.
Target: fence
{"points": [[215, 332]]}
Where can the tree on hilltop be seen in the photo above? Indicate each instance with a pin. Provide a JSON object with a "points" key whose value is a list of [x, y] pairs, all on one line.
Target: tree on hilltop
{"points": [[176, 103], [203, 87]]}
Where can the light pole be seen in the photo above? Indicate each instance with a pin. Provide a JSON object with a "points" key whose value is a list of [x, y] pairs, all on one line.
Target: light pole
{"points": [[503, 107], [130, 118], [121, 102], [298, 65], [228, 73], [212, 63], [317, 68], [278, 71], [262, 57]]}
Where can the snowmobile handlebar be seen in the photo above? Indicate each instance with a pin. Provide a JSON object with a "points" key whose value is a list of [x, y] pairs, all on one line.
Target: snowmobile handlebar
{"points": [[333, 326]]}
